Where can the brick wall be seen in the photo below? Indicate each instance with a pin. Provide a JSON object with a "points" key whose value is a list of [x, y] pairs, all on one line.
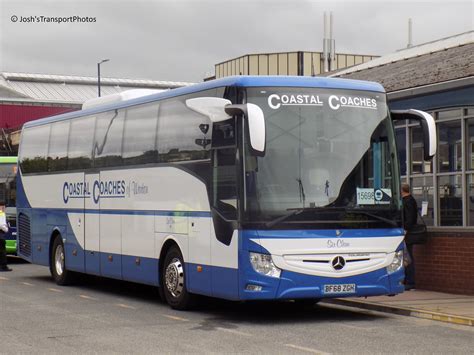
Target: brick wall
{"points": [[446, 263]]}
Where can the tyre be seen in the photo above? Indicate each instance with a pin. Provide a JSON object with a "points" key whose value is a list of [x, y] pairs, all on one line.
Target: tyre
{"points": [[60, 274], [173, 281]]}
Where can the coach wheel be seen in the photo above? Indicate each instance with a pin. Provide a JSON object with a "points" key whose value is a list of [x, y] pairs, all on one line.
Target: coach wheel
{"points": [[60, 274], [173, 281]]}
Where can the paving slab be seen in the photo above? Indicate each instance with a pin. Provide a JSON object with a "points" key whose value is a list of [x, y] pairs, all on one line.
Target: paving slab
{"points": [[457, 309]]}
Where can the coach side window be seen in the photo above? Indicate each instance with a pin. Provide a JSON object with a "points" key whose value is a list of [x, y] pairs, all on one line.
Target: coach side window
{"points": [[57, 154], [80, 143], [139, 143], [183, 134], [108, 139], [34, 149]]}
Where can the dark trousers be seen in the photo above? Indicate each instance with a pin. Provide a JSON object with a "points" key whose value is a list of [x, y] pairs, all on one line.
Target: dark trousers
{"points": [[3, 253], [410, 269]]}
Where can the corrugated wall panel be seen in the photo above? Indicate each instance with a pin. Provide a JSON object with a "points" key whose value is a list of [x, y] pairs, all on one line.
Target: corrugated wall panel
{"points": [[283, 64], [293, 64], [273, 64]]}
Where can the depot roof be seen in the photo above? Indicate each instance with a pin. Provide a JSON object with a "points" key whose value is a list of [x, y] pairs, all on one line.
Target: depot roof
{"points": [[435, 62], [69, 89]]}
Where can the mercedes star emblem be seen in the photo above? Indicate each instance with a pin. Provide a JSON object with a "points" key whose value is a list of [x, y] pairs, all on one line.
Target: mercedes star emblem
{"points": [[338, 263]]}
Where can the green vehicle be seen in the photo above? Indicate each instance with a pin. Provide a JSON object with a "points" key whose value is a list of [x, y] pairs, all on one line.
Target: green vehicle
{"points": [[8, 169]]}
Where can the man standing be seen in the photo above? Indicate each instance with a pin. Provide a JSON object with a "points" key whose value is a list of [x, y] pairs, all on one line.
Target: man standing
{"points": [[410, 216], [3, 231]]}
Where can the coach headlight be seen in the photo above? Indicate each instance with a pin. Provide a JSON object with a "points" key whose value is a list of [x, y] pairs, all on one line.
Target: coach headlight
{"points": [[397, 262], [263, 264]]}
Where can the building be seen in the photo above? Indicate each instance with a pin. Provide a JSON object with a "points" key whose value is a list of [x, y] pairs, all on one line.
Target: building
{"points": [[25, 97], [437, 77], [286, 63]]}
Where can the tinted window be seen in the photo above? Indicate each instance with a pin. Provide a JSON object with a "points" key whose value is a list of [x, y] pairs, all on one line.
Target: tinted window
{"points": [[182, 134], [80, 143], [225, 182], [139, 143], [34, 149], [108, 139], [57, 155]]}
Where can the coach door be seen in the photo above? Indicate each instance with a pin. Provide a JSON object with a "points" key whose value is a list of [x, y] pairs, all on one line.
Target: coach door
{"points": [[105, 239], [110, 188], [92, 223], [80, 160]]}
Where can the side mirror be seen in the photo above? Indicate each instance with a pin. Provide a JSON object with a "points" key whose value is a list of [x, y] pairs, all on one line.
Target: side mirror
{"points": [[256, 123], [427, 124], [212, 107]]}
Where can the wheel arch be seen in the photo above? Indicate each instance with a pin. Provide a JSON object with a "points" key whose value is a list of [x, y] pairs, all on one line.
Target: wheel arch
{"points": [[54, 234], [167, 245]]}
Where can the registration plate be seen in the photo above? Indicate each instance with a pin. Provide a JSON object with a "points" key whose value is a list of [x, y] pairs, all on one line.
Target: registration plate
{"points": [[343, 288]]}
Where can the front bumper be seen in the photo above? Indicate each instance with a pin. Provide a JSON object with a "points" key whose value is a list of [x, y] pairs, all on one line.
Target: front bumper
{"points": [[292, 285]]}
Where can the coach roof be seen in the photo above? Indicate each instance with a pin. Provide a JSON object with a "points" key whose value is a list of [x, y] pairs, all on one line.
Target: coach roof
{"points": [[240, 81]]}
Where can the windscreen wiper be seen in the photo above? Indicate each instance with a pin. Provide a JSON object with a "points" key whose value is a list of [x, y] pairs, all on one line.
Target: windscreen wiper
{"points": [[293, 212], [383, 219], [297, 211]]}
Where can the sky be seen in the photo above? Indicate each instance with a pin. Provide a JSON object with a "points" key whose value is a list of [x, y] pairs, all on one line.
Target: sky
{"points": [[181, 40]]}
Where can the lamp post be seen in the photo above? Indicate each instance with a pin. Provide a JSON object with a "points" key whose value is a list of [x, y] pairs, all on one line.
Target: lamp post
{"points": [[98, 74]]}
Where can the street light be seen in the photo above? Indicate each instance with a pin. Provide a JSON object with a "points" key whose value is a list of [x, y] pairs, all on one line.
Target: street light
{"points": [[98, 74]]}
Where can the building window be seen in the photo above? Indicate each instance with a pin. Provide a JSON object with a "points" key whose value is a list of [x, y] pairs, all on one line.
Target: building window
{"points": [[449, 114], [470, 143], [449, 146], [450, 200], [418, 165], [470, 200], [445, 186], [422, 190]]}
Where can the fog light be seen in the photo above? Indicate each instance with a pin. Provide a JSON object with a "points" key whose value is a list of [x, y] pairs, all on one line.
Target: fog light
{"points": [[253, 288]]}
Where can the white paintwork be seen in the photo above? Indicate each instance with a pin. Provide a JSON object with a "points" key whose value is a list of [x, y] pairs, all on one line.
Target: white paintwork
{"points": [[138, 235], [288, 254], [171, 224], [223, 255], [353, 266], [111, 234], [199, 240], [129, 234], [286, 246], [76, 220], [180, 239], [256, 121], [47, 191], [212, 107]]}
